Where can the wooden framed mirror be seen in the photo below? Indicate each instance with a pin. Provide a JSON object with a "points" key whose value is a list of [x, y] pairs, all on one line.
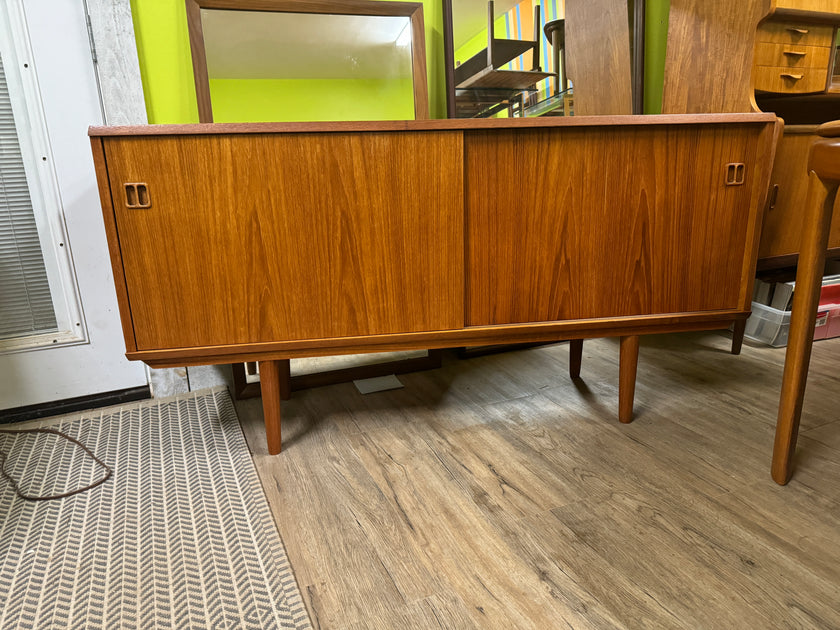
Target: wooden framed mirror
{"points": [[320, 47]]}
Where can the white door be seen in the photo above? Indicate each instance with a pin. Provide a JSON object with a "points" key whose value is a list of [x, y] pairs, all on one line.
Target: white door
{"points": [[52, 88]]}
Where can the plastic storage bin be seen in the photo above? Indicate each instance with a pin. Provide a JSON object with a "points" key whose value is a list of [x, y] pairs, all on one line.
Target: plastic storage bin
{"points": [[768, 325]]}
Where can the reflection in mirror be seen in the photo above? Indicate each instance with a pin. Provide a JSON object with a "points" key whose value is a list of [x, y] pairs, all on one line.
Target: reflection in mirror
{"points": [[524, 58], [265, 66], [308, 60], [503, 58]]}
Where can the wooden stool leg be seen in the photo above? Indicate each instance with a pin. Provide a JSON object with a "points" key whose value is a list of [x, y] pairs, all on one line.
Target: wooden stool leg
{"points": [[270, 380], [575, 357], [627, 363], [738, 335], [815, 228]]}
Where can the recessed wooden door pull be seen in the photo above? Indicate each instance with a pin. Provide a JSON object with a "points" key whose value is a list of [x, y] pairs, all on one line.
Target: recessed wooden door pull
{"points": [[137, 196], [735, 174], [798, 31], [774, 197], [795, 53], [788, 75]]}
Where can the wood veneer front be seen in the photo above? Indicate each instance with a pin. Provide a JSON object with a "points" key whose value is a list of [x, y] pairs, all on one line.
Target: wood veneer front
{"points": [[813, 6], [256, 238], [598, 57], [270, 241], [782, 231], [607, 222], [709, 55]]}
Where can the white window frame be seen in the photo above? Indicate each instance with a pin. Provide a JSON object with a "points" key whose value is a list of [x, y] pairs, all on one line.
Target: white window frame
{"points": [[39, 166]]}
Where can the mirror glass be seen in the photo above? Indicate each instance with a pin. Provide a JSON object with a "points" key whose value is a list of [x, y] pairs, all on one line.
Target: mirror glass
{"points": [[545, 58], [522, 79], [285, 67]]}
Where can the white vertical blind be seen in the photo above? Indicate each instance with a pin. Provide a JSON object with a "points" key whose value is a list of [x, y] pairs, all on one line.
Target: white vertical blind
{"points": [[26, 305]]}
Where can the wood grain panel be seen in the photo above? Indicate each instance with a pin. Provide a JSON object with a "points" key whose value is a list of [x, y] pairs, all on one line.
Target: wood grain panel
{"points": [[822, 6], [609, 223], [787, 32], [761, 191], [782, 230], [430, 125], [780, 80], [419, 80], [456, 338], [709, 55], [792, 55], [598, 56], [265, 237], [201, 78], [105, 200]]}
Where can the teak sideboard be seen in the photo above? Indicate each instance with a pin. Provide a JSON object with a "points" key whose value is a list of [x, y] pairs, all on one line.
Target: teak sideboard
{"points": [[263, 242]]}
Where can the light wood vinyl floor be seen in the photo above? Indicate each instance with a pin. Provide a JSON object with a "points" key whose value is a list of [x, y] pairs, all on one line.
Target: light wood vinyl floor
{"points": [[496, 492]]}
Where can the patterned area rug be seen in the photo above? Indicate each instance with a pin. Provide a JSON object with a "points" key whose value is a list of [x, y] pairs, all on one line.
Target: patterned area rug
{"points": [[179, 537]]}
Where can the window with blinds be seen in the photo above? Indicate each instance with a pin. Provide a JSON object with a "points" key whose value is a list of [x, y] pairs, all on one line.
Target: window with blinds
{"points": [[26, 305]]}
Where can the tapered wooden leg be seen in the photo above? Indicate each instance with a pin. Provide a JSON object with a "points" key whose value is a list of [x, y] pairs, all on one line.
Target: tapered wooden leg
{"points": [[738, 335], [815, 227], [575, 357], [627, 362], [270, 379]]}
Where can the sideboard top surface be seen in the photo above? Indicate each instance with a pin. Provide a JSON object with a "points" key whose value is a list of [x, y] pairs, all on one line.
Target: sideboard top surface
{"points": [[431, 125]]}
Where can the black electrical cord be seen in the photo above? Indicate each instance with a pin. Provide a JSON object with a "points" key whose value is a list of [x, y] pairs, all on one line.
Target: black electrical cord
{"points": [[6, 475]]}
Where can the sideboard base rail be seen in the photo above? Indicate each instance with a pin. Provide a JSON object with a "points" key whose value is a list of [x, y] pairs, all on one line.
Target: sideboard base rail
{"points": [[474, 336]]}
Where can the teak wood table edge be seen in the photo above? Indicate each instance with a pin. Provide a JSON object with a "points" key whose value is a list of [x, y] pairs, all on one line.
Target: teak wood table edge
{"points": [[471, 331]]}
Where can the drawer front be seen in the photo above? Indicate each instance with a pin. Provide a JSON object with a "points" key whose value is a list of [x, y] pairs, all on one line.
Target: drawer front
{"points": [[788, 33], [792, 55], [790, 80]]}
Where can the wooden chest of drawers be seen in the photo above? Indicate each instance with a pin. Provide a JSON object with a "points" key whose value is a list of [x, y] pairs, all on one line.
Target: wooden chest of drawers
{"points": [[792, 58]]}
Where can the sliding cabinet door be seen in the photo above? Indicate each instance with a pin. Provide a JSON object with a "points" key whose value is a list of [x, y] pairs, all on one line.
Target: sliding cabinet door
{"points": [[614, 221], [262, 237]]}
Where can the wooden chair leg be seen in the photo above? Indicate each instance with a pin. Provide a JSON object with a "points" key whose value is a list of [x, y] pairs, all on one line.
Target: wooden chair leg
{"points": [[575, 357], [627, 363], [815, 228], [270, 384], [738, 335]]}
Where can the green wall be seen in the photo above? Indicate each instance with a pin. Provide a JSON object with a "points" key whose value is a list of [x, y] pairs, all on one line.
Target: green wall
{"points": [[166, 66], [478, 42], [294, 100], [656, 38]]}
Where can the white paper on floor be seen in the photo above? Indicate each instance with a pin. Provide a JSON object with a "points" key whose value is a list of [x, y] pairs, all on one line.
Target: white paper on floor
{"points": [[378, 384]]}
